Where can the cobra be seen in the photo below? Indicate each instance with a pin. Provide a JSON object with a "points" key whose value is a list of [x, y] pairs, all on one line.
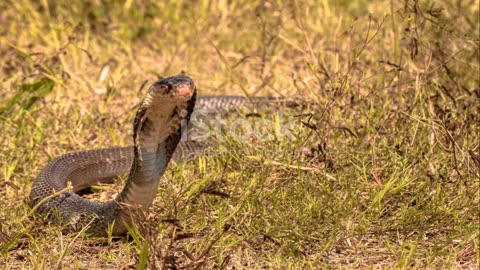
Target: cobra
{"points": [[163, 114], [157, 128]]}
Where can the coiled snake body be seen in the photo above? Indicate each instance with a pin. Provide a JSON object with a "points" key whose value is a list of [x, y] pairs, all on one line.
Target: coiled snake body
{"points": [[160, 119]]}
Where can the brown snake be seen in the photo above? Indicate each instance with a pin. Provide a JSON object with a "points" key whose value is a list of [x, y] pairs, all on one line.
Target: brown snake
{"points": [[158, 126], [166, 107]]}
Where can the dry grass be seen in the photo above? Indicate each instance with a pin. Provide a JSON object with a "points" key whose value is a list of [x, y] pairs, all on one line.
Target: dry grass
{"points": [[384, 172]]}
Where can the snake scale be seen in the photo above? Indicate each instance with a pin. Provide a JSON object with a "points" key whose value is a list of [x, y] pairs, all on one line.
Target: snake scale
{"points": [[158, 126]]}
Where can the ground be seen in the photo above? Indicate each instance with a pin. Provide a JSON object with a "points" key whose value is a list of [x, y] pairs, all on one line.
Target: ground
{"points": [[379, 169]]}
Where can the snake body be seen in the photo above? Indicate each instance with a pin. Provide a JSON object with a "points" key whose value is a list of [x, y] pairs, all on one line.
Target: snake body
{"points": [[164, 111], [166, 107]]}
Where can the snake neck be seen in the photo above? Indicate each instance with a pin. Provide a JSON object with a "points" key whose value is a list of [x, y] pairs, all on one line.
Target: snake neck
{"points": [[157, 131]]}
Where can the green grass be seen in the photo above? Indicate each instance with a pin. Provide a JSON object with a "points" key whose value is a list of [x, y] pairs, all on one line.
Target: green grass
{"points": [[381, 173]]}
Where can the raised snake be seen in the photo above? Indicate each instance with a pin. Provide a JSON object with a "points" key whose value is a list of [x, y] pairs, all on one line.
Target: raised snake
{"points": [[159, 121]]}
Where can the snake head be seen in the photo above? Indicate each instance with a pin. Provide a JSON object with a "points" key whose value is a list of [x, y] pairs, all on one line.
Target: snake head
{"points": [[176, 87]]}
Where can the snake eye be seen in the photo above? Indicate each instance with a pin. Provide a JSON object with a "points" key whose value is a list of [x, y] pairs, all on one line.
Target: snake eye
{"points": [[165, 88]]}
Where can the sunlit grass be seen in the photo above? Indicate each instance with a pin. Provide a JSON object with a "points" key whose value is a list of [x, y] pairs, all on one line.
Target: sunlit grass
{"points": [[383, 171]]}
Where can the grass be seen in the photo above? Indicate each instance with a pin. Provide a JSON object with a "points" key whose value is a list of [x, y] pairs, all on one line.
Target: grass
{"points": [[382, 173]]}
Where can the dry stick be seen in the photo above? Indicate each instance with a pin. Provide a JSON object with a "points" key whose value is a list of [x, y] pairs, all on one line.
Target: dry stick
{"points": [[64, 253]]}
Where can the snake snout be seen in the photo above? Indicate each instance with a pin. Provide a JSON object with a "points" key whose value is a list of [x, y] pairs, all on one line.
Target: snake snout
{"points": [[184, 90]]}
